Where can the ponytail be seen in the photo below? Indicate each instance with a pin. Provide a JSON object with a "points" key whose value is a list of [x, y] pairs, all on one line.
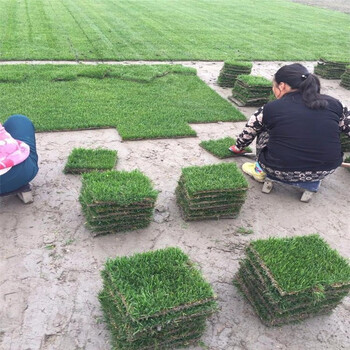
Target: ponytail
{"points": [[298, 77]]}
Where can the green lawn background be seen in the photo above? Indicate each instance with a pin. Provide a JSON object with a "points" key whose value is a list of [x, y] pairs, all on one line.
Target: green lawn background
{"points": [[170, 29]]}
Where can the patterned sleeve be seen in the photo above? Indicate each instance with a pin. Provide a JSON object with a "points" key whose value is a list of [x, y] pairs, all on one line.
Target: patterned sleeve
{"points": [[344, 123], [253, 128]]}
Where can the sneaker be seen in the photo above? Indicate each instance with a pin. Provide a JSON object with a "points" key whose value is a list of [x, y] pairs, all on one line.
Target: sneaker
{"points": [[251, 170]]}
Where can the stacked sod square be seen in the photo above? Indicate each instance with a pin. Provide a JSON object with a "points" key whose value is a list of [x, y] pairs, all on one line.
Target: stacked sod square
{"points": [[345, 78], [155, 300], [82, 160], [114, 201], [291, 279], [251, 91], [330, 69], [231, 70], [211, 191], [345, 143], [220, 148]]}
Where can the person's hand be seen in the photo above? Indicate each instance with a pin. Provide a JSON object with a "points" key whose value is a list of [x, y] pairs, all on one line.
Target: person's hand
{"points": [[235, 150]]}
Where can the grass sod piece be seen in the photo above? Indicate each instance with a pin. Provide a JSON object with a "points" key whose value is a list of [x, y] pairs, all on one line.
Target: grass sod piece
{"points": [[213, 178], [118, 187], [329, 69], [132, 329], [223, 183], [263, 312], [141, 101], [282, 304], [199, 30], [151, 298], [315, 282], [274, 294], [293, 311], [251, 90], [345, 142], [301, 263], [219, 148], [345, 78], [84, 160], [231, 70], [123, 190]]}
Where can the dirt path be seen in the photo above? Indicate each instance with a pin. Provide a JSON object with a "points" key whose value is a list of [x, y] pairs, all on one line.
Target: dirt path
{"points": [[49, 263]]}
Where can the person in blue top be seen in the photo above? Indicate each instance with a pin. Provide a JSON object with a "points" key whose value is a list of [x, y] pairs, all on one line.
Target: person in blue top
{"points": [[298, 134]]}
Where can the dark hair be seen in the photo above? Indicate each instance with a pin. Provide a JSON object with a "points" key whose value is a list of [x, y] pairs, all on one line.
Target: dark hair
{"points": [[298, 77]]}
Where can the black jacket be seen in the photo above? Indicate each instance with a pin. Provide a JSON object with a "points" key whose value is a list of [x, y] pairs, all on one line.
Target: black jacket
{"points": [[300, 138]]}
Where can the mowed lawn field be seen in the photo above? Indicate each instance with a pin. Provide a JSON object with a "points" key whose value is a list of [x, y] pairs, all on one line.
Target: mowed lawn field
{"points": [[170, 29]]}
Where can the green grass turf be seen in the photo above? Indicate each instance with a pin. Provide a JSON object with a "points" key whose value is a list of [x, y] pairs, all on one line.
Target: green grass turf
{"points": [[117, 187], [255, 81], [208, 178], [182, 29], [219, 148], [156, 281], [302, 263], [84, 160], [147, 101]]}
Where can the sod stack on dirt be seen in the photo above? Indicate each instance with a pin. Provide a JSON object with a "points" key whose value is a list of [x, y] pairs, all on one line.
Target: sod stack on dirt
{"points": [[330, 69], [115, 201], [211, 191], [83, 160], [231, 70], [155, 300], [220, 148], [291, 279], [345, 143], [251, 91], [345, 78]]}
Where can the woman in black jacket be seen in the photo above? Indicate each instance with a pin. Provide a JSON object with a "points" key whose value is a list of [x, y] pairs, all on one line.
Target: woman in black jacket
{"points": [[298, 134]]}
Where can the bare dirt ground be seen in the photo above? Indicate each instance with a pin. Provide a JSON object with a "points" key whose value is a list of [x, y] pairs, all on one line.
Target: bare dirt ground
{"points": [[50, 263], [338, 5]]}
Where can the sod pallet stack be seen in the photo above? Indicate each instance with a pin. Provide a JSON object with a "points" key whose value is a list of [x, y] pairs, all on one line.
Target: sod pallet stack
{"points": [[345, 143], [231, 70], [251, 91], [291, 279], [155, 300], [82, 160], [330, 69], [345, 78], [114, 201], [220, 147], [211, 191]]}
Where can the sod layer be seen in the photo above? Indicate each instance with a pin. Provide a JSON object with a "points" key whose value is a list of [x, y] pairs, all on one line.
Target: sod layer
{"points": [[220, 148], [83, 160], [211, 192], [251, 90], [290, 279], [115, 201], [231, 70], [345, 78], [329, 69], [145, 101], [155, 300]]}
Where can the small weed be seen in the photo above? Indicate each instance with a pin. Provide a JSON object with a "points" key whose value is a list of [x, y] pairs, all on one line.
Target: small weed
{"points": [[69, 241], [50, 246], [244, 231]]}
